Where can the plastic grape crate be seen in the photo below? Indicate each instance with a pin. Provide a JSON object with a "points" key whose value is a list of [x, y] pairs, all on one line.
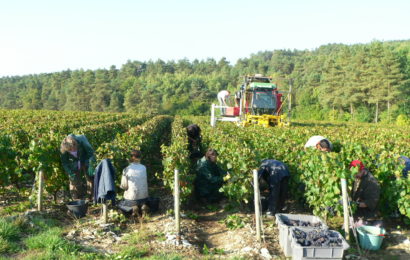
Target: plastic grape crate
{"points": [[284, 230], [300, 252]]}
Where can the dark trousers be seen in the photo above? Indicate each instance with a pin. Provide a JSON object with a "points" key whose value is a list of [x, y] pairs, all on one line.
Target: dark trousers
{"points": [[278, 192], [127, 205], [81, 187], [131, 203]]}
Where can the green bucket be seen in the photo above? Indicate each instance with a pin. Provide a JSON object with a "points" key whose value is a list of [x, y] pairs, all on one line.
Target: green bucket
{"points": [[370, 237]]}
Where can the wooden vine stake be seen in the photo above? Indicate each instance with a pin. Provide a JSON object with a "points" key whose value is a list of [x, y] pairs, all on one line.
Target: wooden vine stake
{"points": [[105, 212], [40, 190], [345, 208], [257, 208], [176, 203]]}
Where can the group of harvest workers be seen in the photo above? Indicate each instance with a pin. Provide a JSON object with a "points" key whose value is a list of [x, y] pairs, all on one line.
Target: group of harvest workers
{"points": [[274, 176], [78, 158]]}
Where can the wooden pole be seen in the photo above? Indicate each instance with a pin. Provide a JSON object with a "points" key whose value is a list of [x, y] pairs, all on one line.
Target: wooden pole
{"points": [[345, 208], [105, 213], [213, 115], [257, 208], [290, 100], [290, 95], [40, 191], [176, 202]]}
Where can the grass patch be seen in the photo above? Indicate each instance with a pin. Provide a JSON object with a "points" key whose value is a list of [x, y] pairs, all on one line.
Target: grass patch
{"points": [[41, 255], [19, 207], [41, 223], [233, 222], [7, 246], [9, 230], [192, 215], [51, 241], [131, 252], [141, 236], [137, 246], [164, 257], [212, 251], [212, 208]]}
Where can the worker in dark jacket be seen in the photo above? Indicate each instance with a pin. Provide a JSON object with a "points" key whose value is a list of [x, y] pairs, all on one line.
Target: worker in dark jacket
{"points": [[276, 175], [194, 141], [77, 157], [366, 194], [406, 161], [209, 178]]}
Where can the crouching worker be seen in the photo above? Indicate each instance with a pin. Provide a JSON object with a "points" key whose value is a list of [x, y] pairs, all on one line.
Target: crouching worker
{"points": [[194, 141], [320, 143], [209, 178], [77, 157], [276, 175], [134, 182], [406, 162], [366, 195]]}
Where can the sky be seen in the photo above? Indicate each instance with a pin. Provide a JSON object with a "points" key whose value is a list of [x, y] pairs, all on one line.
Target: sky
{"points": [[45, 36]]}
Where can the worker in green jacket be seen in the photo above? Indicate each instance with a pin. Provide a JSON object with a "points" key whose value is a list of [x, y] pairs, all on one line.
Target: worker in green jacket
{"points": [[209, 178], [77, 157]]}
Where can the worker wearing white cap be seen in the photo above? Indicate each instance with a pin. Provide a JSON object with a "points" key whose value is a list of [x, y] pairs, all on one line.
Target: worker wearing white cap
{"points": [[320, 143]]}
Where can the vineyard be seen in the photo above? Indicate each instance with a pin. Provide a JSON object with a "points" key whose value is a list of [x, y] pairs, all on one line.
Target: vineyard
{"points": [[30, 142]]}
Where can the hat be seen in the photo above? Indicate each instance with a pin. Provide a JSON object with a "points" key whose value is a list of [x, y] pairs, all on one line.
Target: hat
{"points": [[357, 163]]}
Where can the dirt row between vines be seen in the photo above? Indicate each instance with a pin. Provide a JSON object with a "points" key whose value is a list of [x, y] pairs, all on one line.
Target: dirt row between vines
{"points": [[204, 234]]}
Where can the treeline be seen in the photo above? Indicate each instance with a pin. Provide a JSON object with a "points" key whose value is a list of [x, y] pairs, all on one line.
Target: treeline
{"points": [[363, 82]]}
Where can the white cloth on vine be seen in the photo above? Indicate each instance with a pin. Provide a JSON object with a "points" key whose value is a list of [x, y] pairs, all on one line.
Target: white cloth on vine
{"points": [[314, 140], [134, 182]]}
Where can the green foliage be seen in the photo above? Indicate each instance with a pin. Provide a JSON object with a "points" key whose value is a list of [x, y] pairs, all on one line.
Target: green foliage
{"points": [[13, 229], [176, 156], [233, 222], [51, 240], [130, 252], [32, 140], [20, 207], [212, 251], [313, 112], [363, 115], [41, 223], [402, 120], [9, 230], [315, 175], [116, 216], [164, 256], [331, 77], [147, 137], [192, 215], [6, 246]]}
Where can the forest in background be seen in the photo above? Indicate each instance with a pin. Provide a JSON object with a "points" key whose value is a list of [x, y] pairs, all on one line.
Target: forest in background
{"points": [[361, 82]]}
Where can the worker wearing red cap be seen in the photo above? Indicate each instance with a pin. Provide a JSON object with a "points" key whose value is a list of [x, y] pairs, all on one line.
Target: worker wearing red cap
{"points": [[366, 194]]}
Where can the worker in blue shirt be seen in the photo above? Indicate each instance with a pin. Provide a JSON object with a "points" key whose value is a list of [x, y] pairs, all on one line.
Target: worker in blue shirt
{"points": [[276, 175]]}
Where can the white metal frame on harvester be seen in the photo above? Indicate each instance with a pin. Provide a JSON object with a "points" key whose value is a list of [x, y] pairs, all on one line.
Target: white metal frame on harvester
{"points": [[215, 118]]}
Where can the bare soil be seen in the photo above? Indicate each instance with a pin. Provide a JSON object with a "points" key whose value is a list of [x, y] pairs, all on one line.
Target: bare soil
{"points": [[204, 234]]}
